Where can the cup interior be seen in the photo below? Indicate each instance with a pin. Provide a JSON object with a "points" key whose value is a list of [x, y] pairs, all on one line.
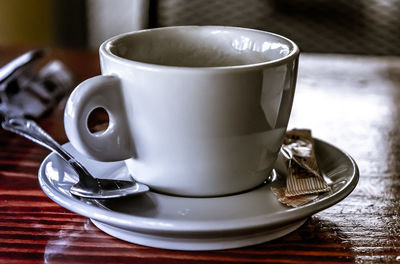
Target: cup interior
{"points": [[201, 46]]}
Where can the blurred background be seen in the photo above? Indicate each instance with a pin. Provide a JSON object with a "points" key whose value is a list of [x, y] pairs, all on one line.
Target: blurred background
{"points": [[323, 26]]}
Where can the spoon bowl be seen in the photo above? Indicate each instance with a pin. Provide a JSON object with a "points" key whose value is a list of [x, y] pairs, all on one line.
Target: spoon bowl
{"points": [[88, 186], [109, 189]]}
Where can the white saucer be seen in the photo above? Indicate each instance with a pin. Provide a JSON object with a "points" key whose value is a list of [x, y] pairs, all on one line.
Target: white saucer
{"points": [[181, 223]]}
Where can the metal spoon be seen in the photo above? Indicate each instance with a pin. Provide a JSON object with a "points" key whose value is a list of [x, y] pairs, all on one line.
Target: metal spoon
{"points": [[88, 186]]}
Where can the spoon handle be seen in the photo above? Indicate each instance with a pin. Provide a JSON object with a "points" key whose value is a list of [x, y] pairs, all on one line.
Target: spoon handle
{"points": [[31, 130]]}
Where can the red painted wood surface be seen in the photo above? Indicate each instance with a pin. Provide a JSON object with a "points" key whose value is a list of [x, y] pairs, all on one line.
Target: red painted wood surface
{"points": [[352, 102]]}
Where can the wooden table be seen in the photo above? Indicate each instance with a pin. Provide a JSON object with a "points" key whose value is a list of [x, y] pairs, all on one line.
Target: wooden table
{"points": [[352, 102]]}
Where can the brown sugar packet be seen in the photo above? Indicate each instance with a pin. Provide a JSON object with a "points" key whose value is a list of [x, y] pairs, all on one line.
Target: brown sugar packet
{"points": [[304, 181], [304, 174], [293, 201]]}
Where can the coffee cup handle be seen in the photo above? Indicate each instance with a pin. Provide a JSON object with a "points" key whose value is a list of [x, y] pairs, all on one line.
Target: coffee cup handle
{"points": [[112, 144]]}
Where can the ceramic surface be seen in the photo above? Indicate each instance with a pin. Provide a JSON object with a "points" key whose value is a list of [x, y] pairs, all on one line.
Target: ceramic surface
{"points": [[187, 128], [173, 222]]}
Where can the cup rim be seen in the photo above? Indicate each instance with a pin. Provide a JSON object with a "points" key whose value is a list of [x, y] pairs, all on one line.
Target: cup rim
{"points": [[105, 51]]}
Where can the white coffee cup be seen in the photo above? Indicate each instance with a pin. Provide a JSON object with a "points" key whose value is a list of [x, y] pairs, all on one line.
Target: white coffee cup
{"points": [[193, 110]]}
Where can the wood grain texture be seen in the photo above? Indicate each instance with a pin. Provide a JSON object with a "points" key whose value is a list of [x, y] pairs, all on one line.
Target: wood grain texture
{"points": [[352, 102]]}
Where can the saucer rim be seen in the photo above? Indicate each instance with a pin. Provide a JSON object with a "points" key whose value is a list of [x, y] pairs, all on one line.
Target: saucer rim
{"points": [[200, 243], [148, 225]]}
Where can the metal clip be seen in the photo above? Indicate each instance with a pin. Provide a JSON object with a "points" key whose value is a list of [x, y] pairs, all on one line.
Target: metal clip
{"points": [[25, 92]]}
